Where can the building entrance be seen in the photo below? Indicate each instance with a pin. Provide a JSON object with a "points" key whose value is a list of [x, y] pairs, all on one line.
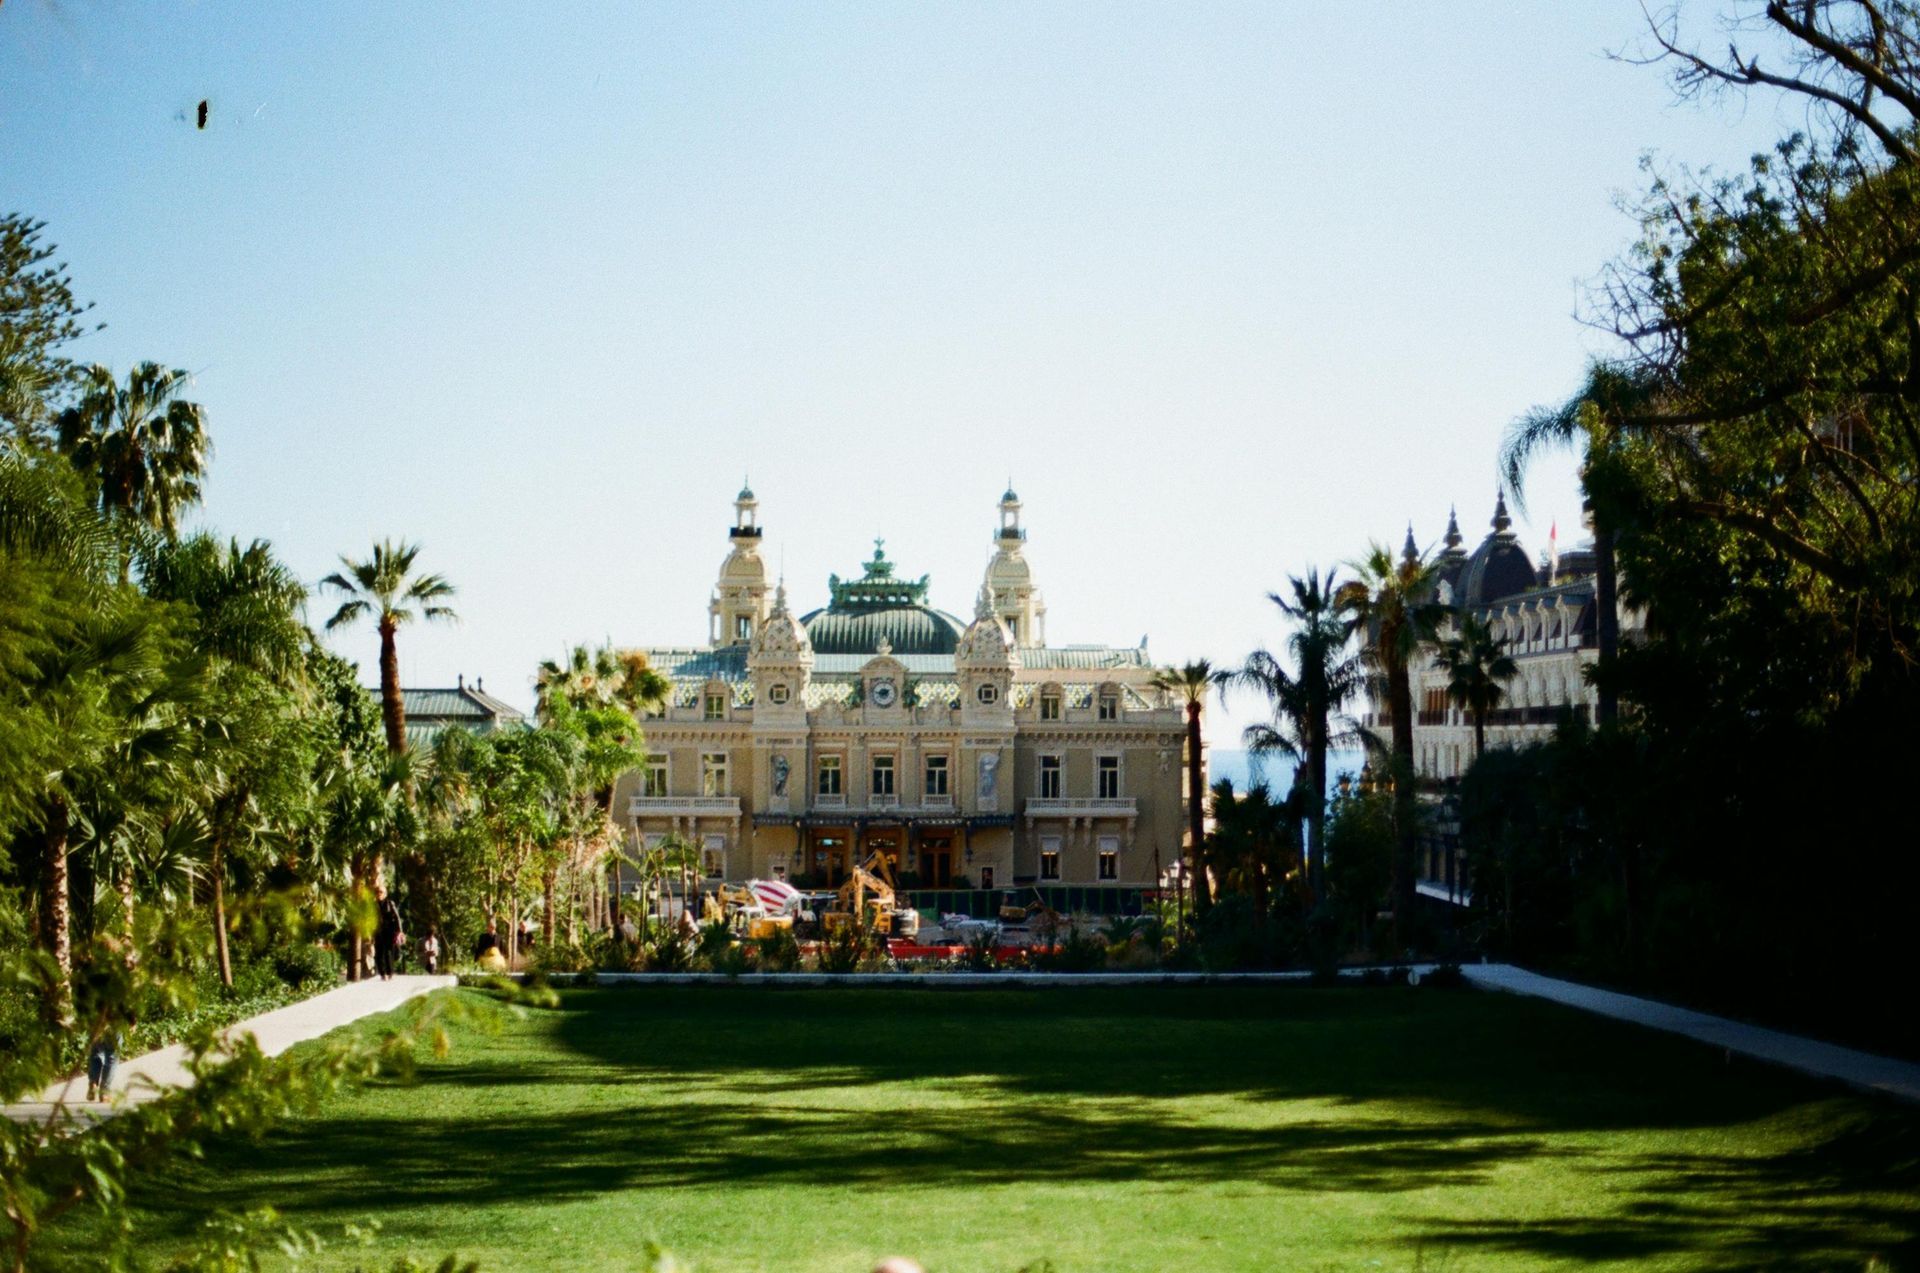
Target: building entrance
{"points": [[936, 863]]}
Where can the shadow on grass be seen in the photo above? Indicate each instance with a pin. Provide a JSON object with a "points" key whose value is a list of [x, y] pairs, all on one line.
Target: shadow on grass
{"points": [[1399, 1091]]}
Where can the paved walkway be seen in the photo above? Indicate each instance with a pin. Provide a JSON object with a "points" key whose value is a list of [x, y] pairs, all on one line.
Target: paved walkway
{"points": [[1809, 1056], [142, 1078]]}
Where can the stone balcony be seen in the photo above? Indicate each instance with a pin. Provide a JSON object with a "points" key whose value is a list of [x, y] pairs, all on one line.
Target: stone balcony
{"points": [[1087, 807], [684, 807]]}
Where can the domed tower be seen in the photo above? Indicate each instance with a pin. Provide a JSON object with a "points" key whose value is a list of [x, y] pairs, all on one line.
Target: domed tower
{"points": [[1010, 578], [1499, 567], [780, 660], [739, 604]]}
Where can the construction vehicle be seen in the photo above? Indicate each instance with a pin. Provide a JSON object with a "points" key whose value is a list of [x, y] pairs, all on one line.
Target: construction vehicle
{"points": [[869, 899], [1036, 923], [737, 907]]}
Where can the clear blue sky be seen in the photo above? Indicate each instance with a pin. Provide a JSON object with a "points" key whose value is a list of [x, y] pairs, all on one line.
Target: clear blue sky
{"points": [[1227, 289]]}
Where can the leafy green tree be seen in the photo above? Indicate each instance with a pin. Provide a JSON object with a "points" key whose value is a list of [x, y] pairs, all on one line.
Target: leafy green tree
{"points": [[38, 315], [1478, 669], [1361, 839], [1392, 602], [88, 675], [1190, 684], [1307, 705], [385, 587]]}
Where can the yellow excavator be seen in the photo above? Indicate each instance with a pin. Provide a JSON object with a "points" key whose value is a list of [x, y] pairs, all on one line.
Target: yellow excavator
{"points": [[1013, 913], [869, 895]]}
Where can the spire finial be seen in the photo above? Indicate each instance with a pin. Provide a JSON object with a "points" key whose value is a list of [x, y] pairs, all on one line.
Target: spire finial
{"points": [[1500, 519], [1409, 551], [1453, 528]]}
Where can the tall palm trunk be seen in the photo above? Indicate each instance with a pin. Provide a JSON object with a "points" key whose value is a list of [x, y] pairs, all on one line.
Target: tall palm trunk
{"points": [[56, 917], [1479, 731], [219, 872], [1607, 628], [123, 885], [393, 710], [356, 941], [1405, 807], [1196, 812], [546, 905], [1317, 811]]}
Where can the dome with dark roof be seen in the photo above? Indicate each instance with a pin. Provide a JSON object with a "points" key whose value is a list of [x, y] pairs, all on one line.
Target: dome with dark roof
{"points": [[906, 629], [1498, 567], [879, 608]]}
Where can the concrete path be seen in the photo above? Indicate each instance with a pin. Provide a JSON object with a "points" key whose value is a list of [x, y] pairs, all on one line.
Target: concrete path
{"points": [[142, 1078], [1809, 1056]]}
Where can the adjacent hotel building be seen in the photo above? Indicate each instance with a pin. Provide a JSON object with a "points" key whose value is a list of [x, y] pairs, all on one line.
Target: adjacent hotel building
{"points": [[968, 750]]}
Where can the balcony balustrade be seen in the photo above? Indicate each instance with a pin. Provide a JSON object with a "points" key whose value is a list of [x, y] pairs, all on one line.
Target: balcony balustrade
{"points": [[684, 807]]}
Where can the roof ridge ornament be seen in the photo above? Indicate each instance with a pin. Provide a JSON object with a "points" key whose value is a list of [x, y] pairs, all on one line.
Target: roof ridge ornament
{"points": [[1500, 519], [1454, 537]]}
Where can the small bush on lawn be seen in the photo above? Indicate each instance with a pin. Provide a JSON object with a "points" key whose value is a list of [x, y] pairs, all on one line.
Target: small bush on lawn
{"points": [[778, 951], [1076, 952], [852, 949]]}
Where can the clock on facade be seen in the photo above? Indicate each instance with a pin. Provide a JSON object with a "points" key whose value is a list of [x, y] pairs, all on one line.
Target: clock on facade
{"points": [[883, 693]]}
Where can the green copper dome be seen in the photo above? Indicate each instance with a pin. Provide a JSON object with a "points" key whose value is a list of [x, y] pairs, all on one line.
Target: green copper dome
{"points": [[877, 608]]}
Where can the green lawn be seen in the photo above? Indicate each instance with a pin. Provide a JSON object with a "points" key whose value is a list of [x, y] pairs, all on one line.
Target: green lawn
{"points": [[1099, 1129]]}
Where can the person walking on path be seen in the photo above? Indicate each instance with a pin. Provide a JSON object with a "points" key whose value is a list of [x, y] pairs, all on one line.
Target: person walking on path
{"points": [[430, 953], [101, 1058], [386, 935]]}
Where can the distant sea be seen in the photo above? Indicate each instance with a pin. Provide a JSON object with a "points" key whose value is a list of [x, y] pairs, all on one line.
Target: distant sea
{"points": [[1275, 772]]}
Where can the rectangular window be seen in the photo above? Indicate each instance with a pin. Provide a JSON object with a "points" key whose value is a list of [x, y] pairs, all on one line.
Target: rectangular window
{"points": [[986, 877], [937, 776], [882, 775], [1109, 777], [1049, 707], [655, 783], [1049, 777], [1109, 865], [716, 707], [1109, 707], [713, 773], [829, 775], [742, 628], [1049, 864], [713, 857]]}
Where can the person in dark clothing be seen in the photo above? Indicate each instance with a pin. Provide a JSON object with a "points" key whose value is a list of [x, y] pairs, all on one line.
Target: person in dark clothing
{"points": [[386, 935], [487, 941]]}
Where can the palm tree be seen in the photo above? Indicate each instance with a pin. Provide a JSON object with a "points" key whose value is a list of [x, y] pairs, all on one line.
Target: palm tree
{"points": [[1392, 602], [1191, 682], [590, 681], [1478, 668], [245, 626], [1307, 716], [1595, 415], [385, 586], [144, 443], [603, 677]]}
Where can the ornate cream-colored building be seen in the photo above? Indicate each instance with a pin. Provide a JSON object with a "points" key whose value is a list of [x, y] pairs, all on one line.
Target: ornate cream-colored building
{"points": [[1545, 616], [795, 745]]}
